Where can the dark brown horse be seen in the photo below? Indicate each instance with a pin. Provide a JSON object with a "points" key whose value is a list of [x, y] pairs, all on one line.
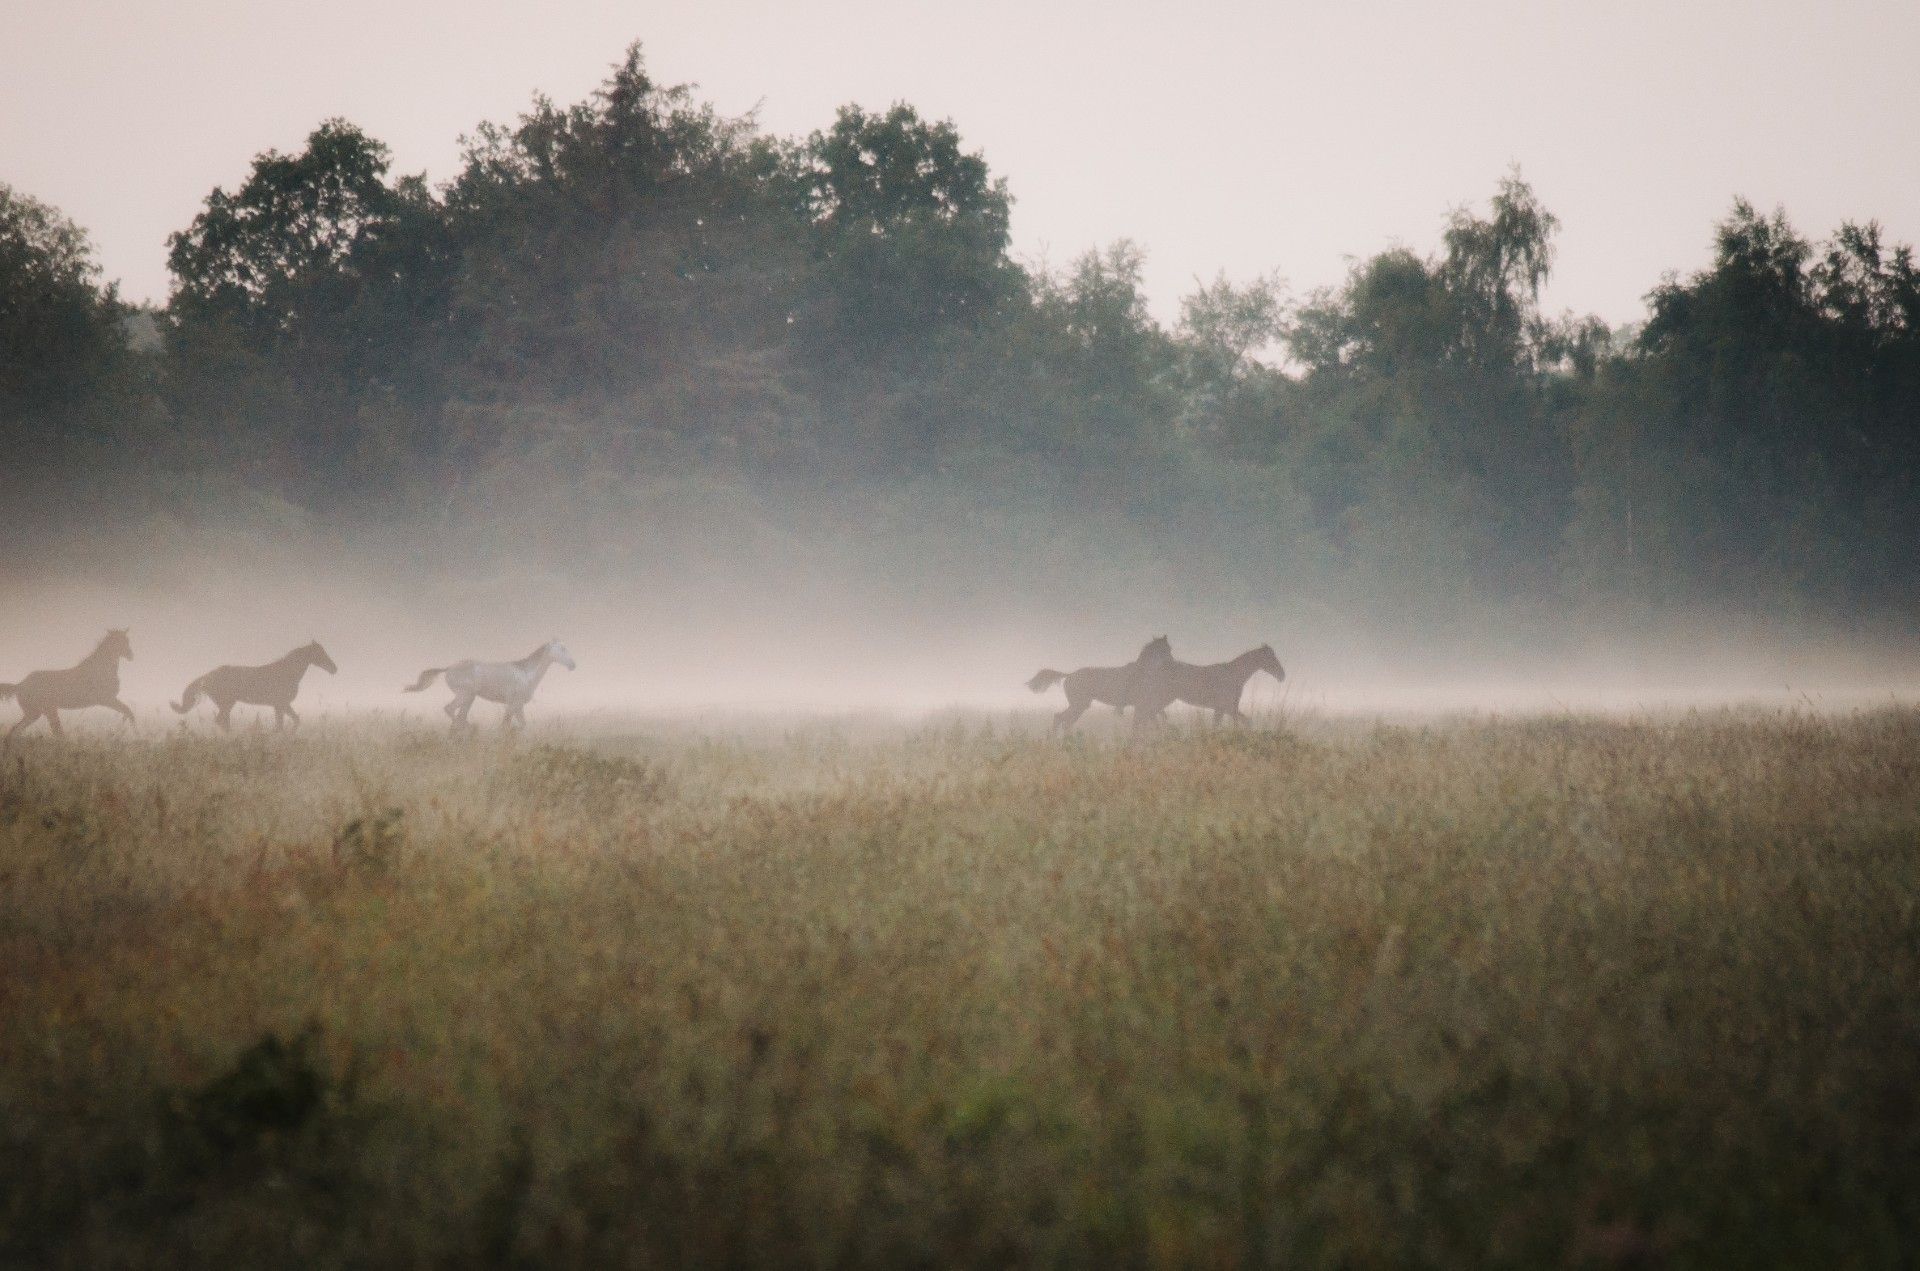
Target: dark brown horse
{"points": [[1114, 685], [1216, 687], [274, 684], [94, 682]]}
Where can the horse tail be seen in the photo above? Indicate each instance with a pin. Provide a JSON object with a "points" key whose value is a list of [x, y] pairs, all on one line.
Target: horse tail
{"points": [[7, 691], [1045, 680], [426, 678], [191, 696]]}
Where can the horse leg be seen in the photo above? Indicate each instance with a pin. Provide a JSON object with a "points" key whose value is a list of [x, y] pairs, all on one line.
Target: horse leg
{"points": [[289, 712], [1066, 719], [225, 717], [25, 719], [457, 710], [126, 710], [53, 721]]}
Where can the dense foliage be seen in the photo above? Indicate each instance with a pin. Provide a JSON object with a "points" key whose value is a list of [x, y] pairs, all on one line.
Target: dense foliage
{"points": [[636, 289]]}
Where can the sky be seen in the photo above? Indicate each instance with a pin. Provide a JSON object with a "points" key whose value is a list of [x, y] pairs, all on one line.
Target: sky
{"points": [[1238, 137]]}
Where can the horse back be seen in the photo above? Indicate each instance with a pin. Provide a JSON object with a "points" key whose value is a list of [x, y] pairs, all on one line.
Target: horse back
{"points": [[1109, 684], [273, 684], [78, 686]]}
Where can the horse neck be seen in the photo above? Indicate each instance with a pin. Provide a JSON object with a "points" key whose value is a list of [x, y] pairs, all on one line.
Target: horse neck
{"points": [[101, 657], [1246, 664], [534, 666], [300, 657]]}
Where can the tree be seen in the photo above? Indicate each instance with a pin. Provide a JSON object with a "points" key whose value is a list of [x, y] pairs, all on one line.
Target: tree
{"points": [[61, 329], [910, 231], [636, 259], [294, 246], [1222, 327], [1493, 270], [308, 317], [1794, 374]]}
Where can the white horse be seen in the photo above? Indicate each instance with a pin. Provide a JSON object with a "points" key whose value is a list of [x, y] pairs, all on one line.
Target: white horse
{"points": [[509, 683]]}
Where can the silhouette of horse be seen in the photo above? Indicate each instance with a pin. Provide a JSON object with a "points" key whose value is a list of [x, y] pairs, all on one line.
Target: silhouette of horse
{"points": [[509, 683], [1215, 687], [1114, 685], [94, 682], [271, 685]]}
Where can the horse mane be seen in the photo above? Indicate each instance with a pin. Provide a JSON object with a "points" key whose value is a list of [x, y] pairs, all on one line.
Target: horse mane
{"points": [[1159, 646], [100, 649]]}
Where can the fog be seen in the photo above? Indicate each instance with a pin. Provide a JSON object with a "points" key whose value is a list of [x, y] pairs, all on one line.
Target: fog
{"points": [[774, 423], [773, 623]]}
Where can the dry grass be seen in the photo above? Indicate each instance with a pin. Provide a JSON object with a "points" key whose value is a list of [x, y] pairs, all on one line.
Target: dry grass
{"points": [[1528, 992]]}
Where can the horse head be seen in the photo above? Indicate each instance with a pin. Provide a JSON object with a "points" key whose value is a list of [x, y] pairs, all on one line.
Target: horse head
{"points": [[1158, 649], [117, 645], [1265, 659], [317, 656], [557, 652]]}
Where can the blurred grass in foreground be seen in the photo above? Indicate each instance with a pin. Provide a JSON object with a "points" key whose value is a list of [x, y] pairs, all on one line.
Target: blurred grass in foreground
{"points": [[1523, 992]]}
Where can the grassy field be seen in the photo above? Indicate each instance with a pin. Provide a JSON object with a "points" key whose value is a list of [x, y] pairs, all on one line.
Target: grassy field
{"points": [[1527, 992]]}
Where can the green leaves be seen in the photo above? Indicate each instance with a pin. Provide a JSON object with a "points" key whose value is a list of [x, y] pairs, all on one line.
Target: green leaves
{"points": [[60, 327], [910, 231], [300, 225]]}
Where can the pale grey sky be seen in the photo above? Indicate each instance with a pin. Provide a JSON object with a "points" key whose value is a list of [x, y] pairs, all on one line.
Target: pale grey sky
{"points": [[1235, 136]]}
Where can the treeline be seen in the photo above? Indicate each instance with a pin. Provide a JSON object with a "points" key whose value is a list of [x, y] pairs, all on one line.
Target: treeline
{"points": [[636, 291]]}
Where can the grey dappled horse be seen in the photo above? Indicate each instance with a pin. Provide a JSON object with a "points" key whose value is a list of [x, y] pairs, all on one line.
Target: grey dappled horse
{"points": [[509, 683]]}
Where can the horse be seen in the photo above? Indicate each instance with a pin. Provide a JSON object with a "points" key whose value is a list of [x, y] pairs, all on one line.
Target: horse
{"points": [[509, 683], [1114, 685], [94, 682], [271, 685], [1215, 687]]}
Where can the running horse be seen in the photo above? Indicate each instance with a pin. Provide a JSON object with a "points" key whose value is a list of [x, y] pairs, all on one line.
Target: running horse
{"points": [[1114, 685], [94, 682], [274, 684], [509, 683], [1216, 687]]}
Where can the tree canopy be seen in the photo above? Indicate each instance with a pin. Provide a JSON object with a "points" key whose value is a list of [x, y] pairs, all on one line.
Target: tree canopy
{"points": [[636, 285]]}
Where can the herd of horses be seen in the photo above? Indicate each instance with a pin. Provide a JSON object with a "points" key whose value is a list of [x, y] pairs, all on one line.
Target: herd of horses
{"points": [[95, 681], [1156, 680], [1149, 684]]}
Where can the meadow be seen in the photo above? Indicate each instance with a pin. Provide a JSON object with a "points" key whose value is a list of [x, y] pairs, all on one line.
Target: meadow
{"points": [[1530, 991]]}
